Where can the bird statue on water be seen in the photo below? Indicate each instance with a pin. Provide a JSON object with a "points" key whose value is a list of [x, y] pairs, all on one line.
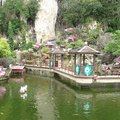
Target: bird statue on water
{"points": [[23, 89]]}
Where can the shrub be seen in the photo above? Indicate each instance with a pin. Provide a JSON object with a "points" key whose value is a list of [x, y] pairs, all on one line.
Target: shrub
{"points": [[6, 62], [44, 49], [4, 48]]}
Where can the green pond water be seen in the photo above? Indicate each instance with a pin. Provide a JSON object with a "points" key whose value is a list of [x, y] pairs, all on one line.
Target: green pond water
{"points": [[48, 99]]}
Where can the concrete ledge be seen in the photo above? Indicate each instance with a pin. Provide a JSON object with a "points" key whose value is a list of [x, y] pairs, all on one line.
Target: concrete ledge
{"points": [[108, 79], [77, 81]]}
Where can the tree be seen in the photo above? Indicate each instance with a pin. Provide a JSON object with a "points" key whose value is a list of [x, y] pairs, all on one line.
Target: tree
{"points": [[23, 44], [113, 47], [14, 16], [32, 7], [4, 48], [15, 9], [106, 12], [10, 35], [74, 13]]}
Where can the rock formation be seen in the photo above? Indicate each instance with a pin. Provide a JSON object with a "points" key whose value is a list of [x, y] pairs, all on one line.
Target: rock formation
{"points": [[45, 20]]}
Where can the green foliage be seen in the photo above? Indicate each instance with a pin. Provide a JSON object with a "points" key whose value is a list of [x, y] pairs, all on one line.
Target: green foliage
{"points": [[23, 44], [24, 54], [74, 12], [6, 61], [44, 49], [10, 35], [110, 13], [35, 55], [15, 9], [75, 45], [116, 35], [69, 46], [14, 16], [32, 8], [4, 48], [104, 11], [90, 36], [113, 47], [78, 44], [30, 44], [3, 22]]}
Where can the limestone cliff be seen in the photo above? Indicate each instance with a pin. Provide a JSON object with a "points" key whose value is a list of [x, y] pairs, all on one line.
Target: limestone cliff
{"points": [[45, 20]]}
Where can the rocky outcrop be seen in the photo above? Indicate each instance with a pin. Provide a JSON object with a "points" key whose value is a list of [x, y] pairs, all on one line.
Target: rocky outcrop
{"points": [[103, 39], [45, 20]]}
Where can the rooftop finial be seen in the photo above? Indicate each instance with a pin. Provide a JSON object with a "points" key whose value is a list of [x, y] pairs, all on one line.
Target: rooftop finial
{"points": [[86, 43]]}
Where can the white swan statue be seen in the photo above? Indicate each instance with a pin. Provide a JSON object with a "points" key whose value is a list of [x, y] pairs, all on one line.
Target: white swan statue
{"points": [[23, 89]]}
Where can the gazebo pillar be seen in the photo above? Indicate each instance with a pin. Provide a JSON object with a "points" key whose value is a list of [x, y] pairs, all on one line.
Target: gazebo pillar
{"points": [[62, 60], [80, 59], [94, 63], [74, 64], [50, 61], [83, 59], [54, 59], [80, 62]]}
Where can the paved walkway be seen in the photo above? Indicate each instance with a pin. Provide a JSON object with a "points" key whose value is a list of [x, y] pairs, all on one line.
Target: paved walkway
{"points": [[78, 78]]}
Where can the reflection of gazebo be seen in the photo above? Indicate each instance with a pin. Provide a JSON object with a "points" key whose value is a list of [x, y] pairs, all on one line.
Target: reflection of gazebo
{"points": [[84, 53]]}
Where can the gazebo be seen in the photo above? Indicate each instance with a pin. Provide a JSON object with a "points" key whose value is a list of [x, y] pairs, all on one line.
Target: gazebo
{"points": [[86, 62], [56, 55], [74, 53]]}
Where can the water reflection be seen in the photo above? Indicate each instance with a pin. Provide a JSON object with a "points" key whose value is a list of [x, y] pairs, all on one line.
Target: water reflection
{"points": [[85, 105], [17, 80], [24, 95], [2, 91], [48, 99]]}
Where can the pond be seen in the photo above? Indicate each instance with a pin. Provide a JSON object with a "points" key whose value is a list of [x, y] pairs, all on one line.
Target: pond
{"points": [[48, 99]]}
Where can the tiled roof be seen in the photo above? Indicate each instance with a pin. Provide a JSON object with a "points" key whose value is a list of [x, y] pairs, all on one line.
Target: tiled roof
{"points": [[58, 51], [73, 51], [88, 50]]}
